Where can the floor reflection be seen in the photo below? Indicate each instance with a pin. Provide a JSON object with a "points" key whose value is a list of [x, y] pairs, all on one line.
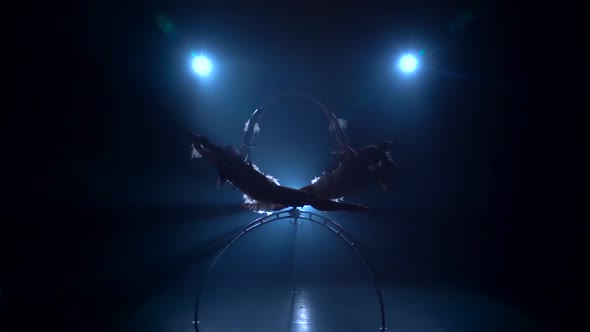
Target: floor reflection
{"points": [[302, 313]]}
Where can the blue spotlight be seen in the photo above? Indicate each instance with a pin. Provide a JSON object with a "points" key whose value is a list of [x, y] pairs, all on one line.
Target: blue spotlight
{"points": [[201, 65], [408, 63]]}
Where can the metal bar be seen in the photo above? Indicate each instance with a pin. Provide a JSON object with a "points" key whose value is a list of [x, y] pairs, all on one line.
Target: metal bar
{"points": [[334, 227]]}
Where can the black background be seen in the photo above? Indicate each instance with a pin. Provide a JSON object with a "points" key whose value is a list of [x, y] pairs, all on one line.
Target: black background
{"points": [[492, 130]]}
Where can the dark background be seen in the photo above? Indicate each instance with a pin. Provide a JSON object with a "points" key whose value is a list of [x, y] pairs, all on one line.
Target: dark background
{"points": [[103, 203]]}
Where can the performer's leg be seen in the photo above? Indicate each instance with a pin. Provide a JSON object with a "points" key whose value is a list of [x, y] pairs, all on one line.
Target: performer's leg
{"points": [[294, 197], [328, 205], [290, 196]]}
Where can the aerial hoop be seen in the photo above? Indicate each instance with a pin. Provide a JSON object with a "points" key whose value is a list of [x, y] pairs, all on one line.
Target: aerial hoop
{"points": [[247, 141], [295, 214]]}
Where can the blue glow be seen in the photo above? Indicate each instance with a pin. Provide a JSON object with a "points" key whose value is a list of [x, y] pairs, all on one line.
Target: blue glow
{"points": [[408, 63], [201, 65], [308, 209]]}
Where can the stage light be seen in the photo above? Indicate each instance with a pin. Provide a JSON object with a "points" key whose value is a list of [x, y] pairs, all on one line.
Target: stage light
{"points": [[201, 65], [408, 63]]}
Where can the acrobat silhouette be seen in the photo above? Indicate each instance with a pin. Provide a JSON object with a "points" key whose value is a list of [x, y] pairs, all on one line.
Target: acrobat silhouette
{"points": [[263, 193]]}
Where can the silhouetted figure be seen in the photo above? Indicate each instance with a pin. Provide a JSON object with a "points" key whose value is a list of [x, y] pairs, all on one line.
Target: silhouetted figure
{"points": [[263, 191]]}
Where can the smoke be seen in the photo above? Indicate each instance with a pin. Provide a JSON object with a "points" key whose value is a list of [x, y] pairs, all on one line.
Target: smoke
{"points": [[256, 126]]}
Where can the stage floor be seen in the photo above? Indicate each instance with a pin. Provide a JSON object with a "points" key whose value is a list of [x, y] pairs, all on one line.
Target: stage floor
{"points": [[322, 307]]}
